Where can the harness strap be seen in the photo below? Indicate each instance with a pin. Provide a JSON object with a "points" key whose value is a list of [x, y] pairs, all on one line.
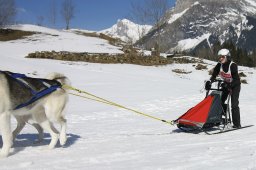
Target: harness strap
{"points": [[36, 94], [26, 84]]}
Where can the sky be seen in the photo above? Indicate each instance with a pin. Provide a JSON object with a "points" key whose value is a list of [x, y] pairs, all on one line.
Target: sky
{"points": [[89, 14]]}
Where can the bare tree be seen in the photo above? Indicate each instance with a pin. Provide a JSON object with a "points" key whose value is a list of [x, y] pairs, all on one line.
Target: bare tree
{"points": [[7, 11], [138, 15], [40, 20], [67, 11], [149, 12], [53, 13], [156, 9]]}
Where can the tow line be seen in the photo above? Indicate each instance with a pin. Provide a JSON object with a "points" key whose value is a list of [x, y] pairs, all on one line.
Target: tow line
{"points": [[89, 96]]}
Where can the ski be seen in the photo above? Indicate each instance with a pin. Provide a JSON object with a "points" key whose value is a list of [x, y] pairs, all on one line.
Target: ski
{"points": [[232, 129]]}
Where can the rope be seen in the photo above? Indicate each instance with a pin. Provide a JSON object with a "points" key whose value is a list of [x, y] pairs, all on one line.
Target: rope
{"points": [[101, 100]]}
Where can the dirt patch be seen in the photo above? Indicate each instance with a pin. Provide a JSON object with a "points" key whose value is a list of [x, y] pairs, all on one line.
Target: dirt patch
{"points": [[111, 40], [9, 34], [186, 60], [242, 74], [201, 67], [181, 71], [243, 81]]}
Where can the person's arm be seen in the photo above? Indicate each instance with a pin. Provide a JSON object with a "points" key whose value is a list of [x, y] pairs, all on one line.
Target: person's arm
{"points": [[235, 76], [216, 72]]}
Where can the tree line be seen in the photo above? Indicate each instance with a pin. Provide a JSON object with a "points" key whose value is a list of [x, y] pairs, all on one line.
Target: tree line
{"points": [[239, 55], [8, 11]]}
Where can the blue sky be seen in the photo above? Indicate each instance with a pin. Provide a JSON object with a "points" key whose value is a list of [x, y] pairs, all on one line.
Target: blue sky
{"points": [[89, 14]]}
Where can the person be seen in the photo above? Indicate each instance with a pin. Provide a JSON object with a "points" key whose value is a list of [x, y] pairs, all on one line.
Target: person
{"points": [[228, 72]]}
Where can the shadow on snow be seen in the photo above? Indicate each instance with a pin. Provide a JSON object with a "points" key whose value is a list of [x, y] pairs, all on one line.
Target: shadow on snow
{"points": [[30, 140]]}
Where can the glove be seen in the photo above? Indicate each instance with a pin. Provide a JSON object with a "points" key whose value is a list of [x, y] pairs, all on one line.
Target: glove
{"points": [[226, 86], [208, 85]]}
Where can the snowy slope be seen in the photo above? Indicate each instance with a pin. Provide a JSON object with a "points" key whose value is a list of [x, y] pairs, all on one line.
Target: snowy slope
{"points": [[58, 40], [105, 137], [127, 30]]}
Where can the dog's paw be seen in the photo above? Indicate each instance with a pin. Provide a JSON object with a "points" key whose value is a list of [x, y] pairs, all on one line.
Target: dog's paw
{"points": [[3, 154], [63, 140], [5, 151], [54, 141]]}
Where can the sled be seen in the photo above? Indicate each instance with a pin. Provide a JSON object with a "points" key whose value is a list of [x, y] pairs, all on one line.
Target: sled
{"points": [[207, 115]]}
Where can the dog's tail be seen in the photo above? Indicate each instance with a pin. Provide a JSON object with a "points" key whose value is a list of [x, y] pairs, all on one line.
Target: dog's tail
{"points": [[59, 77]]}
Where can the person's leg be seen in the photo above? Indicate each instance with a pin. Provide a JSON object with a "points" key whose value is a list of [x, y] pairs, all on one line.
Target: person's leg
{"points": [[224, 97], [235, 106]]}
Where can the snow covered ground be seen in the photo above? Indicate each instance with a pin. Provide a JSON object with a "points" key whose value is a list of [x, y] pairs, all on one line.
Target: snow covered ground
{"points": [[106, 137]]}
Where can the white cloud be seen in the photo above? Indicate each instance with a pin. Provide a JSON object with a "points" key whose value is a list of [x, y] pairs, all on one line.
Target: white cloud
{"points": [[22, 10]]}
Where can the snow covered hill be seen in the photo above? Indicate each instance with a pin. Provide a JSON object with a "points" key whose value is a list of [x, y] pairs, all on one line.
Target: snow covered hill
{"points": [[106, 137], [48, 39], [127, 30]]}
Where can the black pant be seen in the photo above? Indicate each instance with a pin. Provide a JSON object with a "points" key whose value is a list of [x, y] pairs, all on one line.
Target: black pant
{"points": [[234, 104]]}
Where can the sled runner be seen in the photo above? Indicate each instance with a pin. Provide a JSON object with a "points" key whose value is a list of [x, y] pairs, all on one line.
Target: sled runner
{"points": [[229, 130], [38, 88], [207, 115]]}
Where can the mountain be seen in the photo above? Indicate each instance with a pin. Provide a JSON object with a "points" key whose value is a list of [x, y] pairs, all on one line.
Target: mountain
{"points": [[196, 24], [127, 30]]}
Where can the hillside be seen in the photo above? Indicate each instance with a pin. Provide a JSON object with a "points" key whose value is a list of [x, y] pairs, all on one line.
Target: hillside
{"points": [[105, 137], [48, 39]]}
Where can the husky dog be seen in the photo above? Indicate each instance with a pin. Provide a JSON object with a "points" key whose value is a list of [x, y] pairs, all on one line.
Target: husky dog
{"points": [[44, 111]]}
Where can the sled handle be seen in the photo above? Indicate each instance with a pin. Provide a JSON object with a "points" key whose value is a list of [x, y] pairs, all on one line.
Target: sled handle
{"points": [[216, 89]]}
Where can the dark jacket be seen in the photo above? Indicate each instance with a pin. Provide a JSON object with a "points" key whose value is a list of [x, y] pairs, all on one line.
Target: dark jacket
{"points": [[234, 73]]}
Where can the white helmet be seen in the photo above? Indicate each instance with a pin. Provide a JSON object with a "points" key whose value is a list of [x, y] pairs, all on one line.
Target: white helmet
{"points": [[225, 52]]}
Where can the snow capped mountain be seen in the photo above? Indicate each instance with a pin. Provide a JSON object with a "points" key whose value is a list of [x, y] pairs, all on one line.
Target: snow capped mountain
{"points": [[127, 30], [191, 22]]}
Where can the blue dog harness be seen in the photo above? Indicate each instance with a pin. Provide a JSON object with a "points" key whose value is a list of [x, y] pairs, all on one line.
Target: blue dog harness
{"points": [[48, 88]]}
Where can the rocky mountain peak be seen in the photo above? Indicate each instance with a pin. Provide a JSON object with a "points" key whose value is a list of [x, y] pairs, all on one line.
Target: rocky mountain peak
{"points": [[191, 22]]}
